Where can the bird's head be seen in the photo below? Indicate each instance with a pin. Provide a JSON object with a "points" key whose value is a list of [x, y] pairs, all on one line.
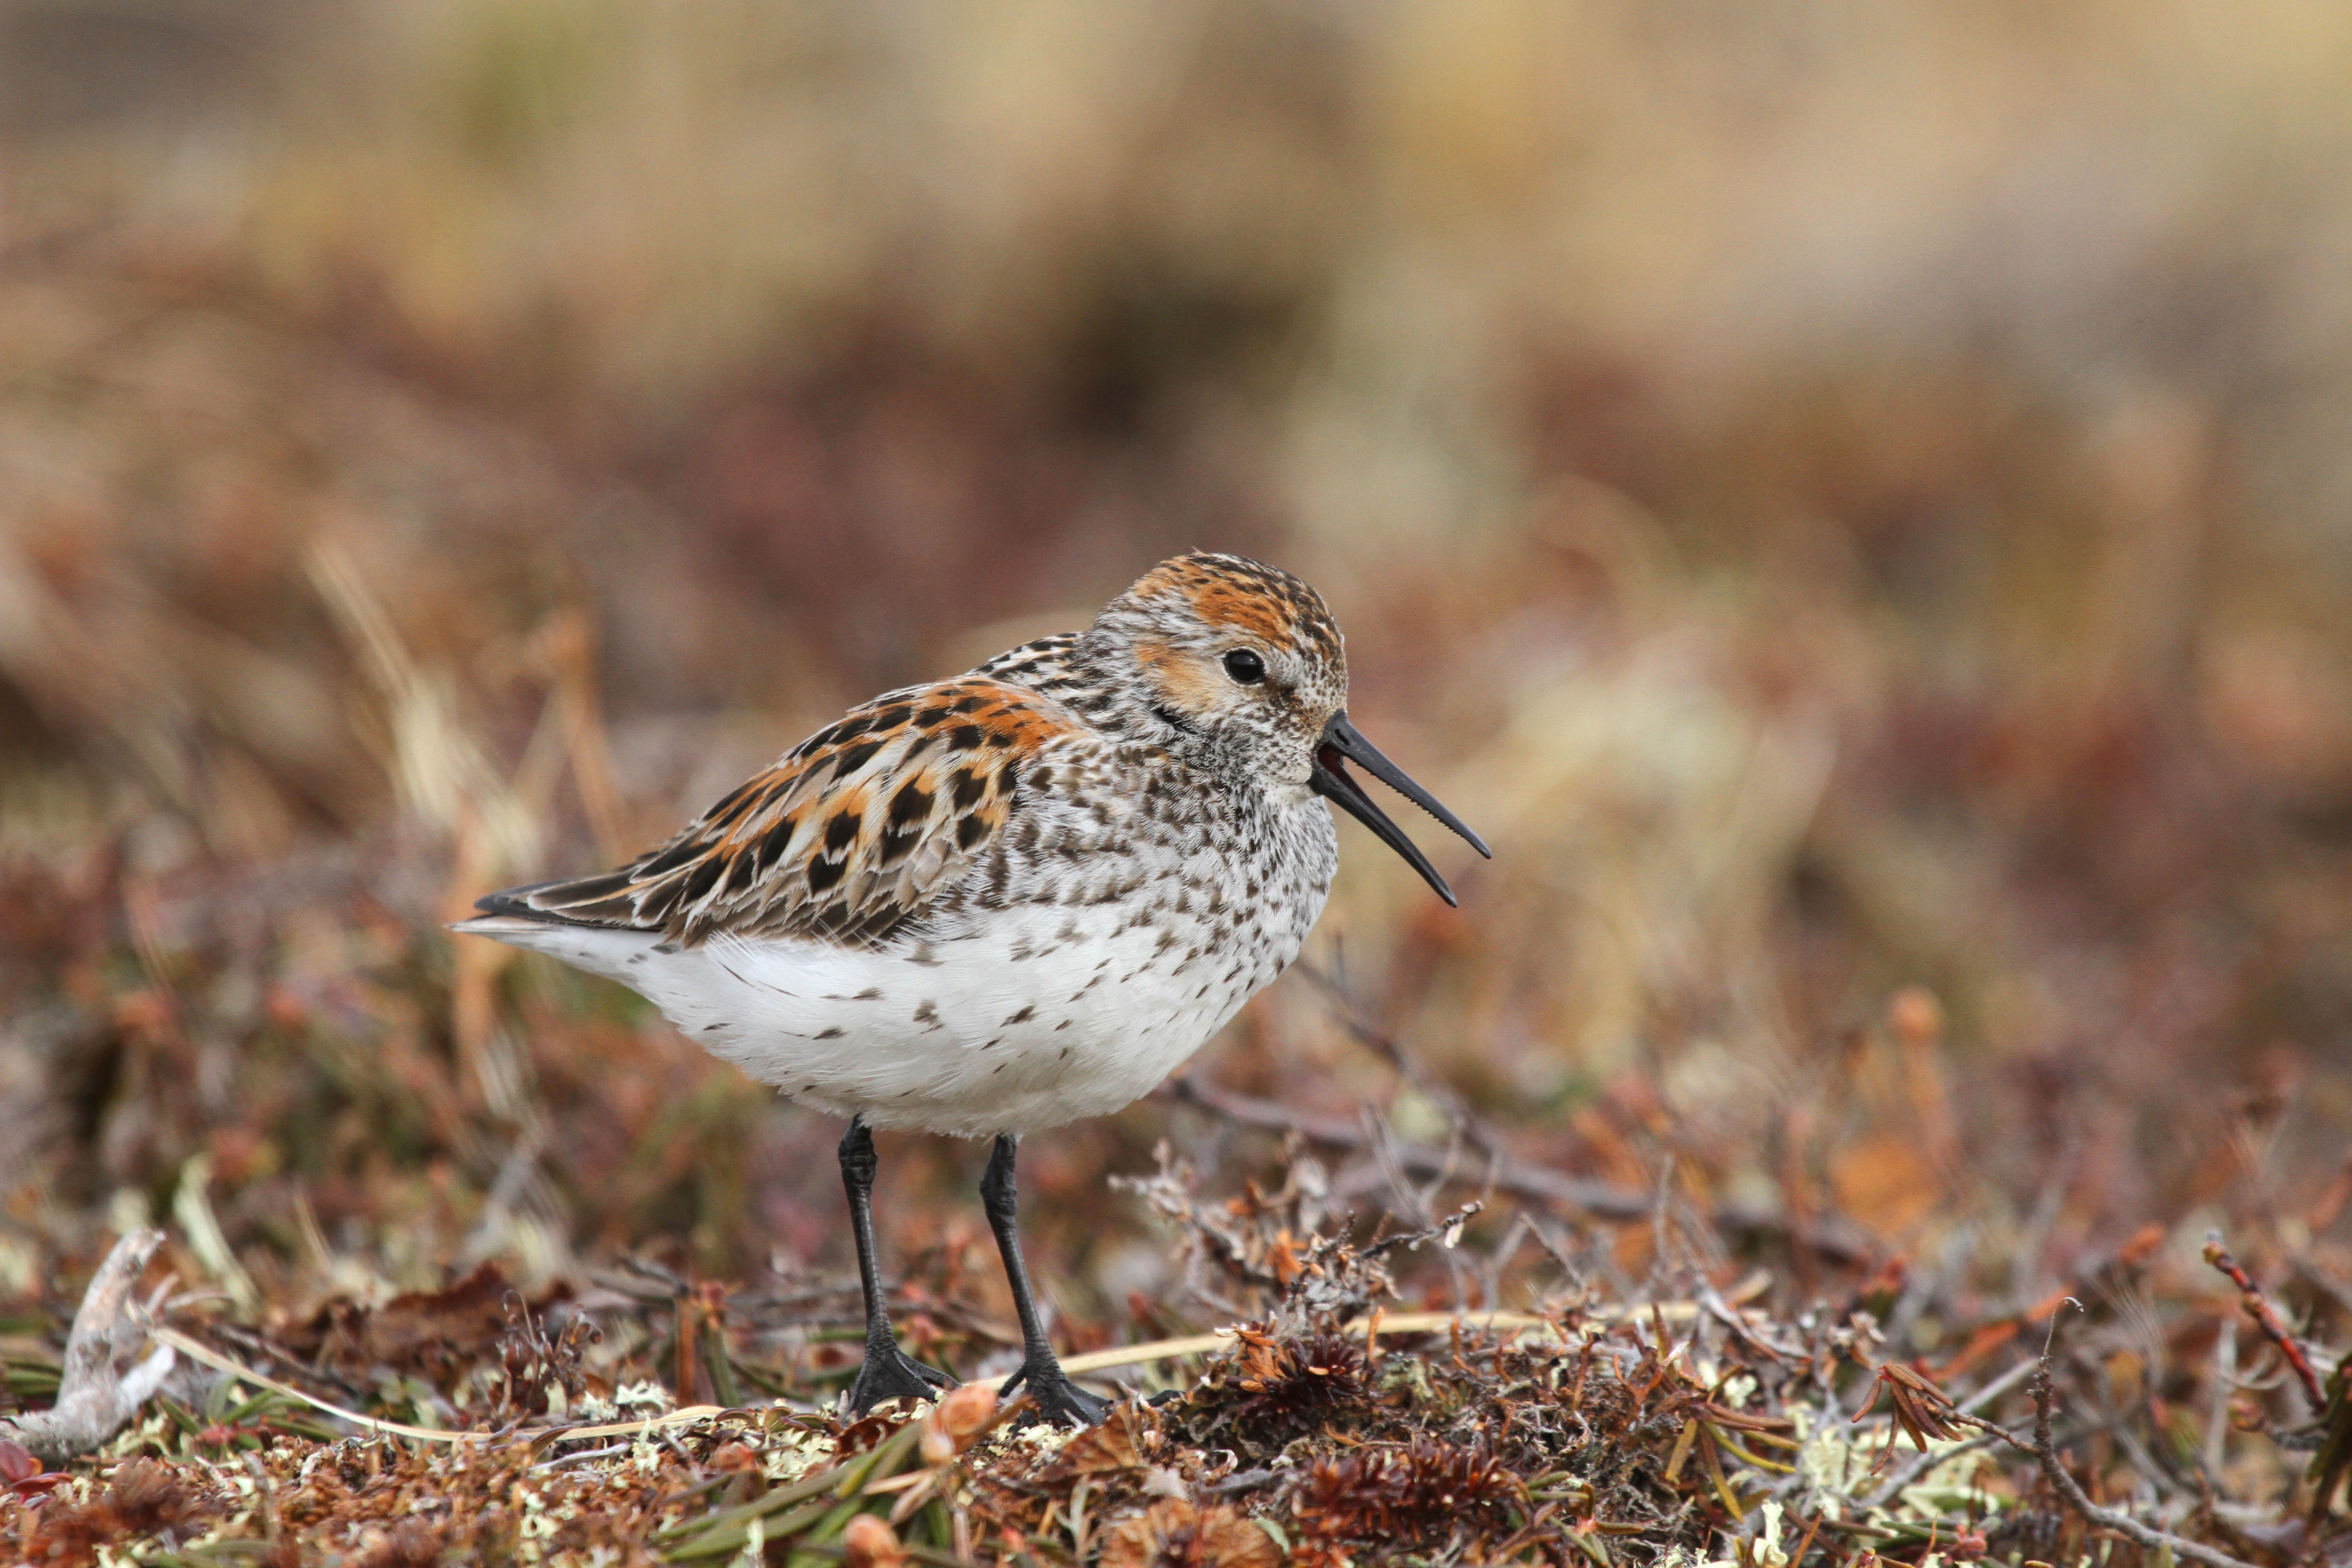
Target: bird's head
{"points": [[1238, 668]]}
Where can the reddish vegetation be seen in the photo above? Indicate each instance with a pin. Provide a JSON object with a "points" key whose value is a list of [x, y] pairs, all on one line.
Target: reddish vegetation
{"points": [[1855, 515], [1593, 1435]]}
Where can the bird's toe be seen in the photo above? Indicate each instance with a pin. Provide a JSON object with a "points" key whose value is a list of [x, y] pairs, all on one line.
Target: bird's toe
{"points": [[889, 1372], [1055, 1398]]}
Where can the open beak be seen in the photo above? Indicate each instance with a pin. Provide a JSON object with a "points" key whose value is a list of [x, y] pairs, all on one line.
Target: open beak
{"points": [[1343, 744]]}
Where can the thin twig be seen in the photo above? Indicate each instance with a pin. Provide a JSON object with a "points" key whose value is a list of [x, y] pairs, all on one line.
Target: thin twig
{"points": [[1834, 1241], [2045, 1397], [2258, 1307], [607, 1452], [1975, 1403], [2217, 1420], [196, 1349]]}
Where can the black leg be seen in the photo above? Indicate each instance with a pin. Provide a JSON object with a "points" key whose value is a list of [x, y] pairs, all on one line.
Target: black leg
{"points": [[888, 1373], [1057, 1398]]}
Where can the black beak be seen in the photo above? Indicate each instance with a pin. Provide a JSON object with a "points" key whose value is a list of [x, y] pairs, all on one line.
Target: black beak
{"points": [[1331, 780]]}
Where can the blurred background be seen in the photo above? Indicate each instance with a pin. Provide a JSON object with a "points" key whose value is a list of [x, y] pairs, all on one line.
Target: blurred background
{"points": [[1853, 500]]}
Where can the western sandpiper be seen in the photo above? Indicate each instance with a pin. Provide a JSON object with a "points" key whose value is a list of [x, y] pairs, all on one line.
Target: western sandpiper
{"points": [[1010, 900]]}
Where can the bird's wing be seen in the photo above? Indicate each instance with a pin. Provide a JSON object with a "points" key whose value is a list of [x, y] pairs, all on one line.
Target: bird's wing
{"points": [[846, 839]]}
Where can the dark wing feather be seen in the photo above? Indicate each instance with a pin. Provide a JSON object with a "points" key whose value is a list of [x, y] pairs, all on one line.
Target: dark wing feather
{"points": [[845, 839]]}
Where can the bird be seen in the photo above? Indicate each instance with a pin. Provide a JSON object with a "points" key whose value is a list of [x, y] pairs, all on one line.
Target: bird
{"points": [[1003, 902]]}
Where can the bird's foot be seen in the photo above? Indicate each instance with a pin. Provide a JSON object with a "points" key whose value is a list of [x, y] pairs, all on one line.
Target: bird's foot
{"points": [[890, 1373], [1055, 1398]]}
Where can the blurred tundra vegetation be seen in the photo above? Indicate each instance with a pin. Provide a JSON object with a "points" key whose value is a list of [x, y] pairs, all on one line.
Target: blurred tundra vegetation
{"points": [[1851, 500]]}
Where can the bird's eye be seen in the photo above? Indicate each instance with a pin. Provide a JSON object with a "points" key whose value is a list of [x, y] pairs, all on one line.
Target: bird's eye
{"points": [[1246, 666]]}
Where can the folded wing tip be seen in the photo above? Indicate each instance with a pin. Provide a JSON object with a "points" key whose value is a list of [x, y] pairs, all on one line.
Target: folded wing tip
{"points": [[494, 925], [508, 909]]}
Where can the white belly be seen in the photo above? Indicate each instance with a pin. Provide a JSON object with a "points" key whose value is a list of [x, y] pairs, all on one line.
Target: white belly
{"points": [[1046, 1016]]}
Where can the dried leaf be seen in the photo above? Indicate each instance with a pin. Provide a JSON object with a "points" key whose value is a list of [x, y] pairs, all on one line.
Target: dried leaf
{"points": [[1175, 1533], [17, 1462]]}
